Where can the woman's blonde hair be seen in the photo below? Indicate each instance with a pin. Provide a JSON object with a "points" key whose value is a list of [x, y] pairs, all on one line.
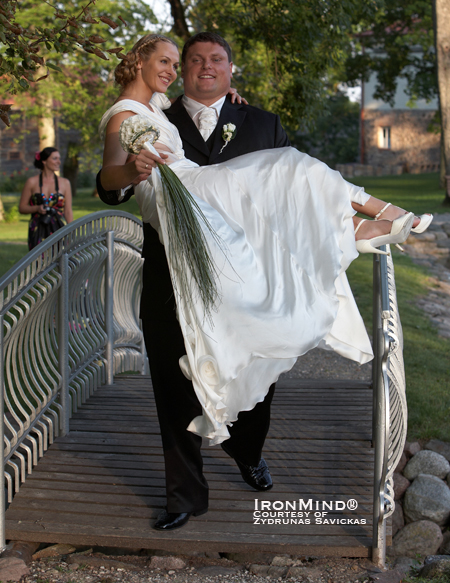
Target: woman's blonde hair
{"points": [[126, 70]]}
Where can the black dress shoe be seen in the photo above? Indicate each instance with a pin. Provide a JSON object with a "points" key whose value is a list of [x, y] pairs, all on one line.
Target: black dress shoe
{"points": [[257, 477], [171, 520]]}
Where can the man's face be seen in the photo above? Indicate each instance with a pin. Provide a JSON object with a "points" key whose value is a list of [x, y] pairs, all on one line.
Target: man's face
{"points": [[206, 72]]}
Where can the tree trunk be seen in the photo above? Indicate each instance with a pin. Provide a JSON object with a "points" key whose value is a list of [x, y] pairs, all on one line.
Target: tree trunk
{"points": [[2, 210], [180, 27], [70, 168], [442, 15]]}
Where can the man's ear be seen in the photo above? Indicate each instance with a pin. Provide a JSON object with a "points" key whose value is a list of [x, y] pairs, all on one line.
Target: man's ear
{"points": [[231, 68], [182, 71]]}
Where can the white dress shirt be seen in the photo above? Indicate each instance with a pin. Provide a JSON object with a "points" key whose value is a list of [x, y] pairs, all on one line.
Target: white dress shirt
{"points": [[194, 108]]}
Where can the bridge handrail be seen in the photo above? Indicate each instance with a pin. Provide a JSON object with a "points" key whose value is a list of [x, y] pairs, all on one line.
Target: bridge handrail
{"points": [[59, 335]]}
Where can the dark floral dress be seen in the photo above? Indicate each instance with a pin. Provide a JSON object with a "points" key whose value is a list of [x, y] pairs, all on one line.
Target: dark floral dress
{"points": [[42, 226]]}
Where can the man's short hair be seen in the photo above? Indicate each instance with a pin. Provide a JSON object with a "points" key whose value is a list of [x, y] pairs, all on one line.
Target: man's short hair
{"points": [[206, 37]]}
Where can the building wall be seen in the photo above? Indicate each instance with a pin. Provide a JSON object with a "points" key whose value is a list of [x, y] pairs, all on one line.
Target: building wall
{"points": [[411, 145], [20, 142]]}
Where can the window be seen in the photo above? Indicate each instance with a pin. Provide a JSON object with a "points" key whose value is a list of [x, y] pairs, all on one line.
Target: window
{"points": [[384, 138], [15, 155]]}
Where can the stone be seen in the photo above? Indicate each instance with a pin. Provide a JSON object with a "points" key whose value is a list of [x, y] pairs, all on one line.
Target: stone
{"points": [[277, 572], [444, 549], [259, 569], [443, 243], [280, 561], [218, 571], [427, 462], [439, 447], [387, 577], [441, 236], [428, 498], [118, 551], [20, 549], [398, 520], [401, 484], [411, 449], [54, 551], [12, 569], [417, 538], [401, 463], [404, 564], [167, 563], [437, 566], [428, 237]]}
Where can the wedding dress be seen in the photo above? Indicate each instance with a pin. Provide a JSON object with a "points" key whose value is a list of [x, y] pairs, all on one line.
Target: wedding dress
{"points": [[285, 222]]}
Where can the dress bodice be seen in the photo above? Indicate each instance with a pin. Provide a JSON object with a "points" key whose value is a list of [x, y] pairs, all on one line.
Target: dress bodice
{"points": [[169, 135]]}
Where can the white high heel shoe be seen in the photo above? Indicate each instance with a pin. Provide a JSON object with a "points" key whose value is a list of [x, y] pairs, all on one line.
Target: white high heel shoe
{"points": [[425, 222], [400, 230]]}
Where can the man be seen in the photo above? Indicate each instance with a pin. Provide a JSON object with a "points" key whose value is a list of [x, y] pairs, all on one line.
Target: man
{"points": [[199, 116]]}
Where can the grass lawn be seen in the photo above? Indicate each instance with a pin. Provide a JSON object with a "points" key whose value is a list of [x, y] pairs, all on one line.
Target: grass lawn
{"points": [[427, 356]]}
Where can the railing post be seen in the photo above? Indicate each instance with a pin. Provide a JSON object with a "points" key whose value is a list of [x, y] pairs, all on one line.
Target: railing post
{"points": [[2, 441], [109, 303], [63, 342]]}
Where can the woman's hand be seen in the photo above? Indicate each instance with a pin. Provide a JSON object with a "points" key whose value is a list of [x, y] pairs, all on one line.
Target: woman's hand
{"points": [[236, 97], [41, 209]]}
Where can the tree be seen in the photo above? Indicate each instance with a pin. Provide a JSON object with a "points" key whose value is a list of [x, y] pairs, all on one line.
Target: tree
{"points": [[442, 28]]}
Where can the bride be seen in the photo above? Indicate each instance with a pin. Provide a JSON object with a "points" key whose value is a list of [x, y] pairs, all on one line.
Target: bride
{"points": [[287, 224]]}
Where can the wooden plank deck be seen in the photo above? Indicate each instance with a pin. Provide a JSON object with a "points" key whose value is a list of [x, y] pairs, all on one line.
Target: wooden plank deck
{"points": [[103, 484]]}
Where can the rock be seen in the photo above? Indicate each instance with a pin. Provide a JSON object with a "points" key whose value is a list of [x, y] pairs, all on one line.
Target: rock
{"points": [[401, 463], [400, 485], [307, 573], [259, 569], [276, 572], [167, 563], [427, 462], [398, 520], [12, 569], [279, 561], [411, 449], [439, 447], [441, 236], [217, 570], [417, 538], [20, 549], [428, 498], [444, 549], [438, 566], [443, 243], [54, 551], [387, 577], [404, 564], [428, 237], [118, 551]]}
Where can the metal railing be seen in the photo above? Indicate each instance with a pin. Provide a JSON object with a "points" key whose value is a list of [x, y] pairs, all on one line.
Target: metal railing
{"points": [[389, 398], [68, 321]]}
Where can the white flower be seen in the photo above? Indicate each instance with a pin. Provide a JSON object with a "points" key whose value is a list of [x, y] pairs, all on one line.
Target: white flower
{"points": [[135, 131], [228, 133]]}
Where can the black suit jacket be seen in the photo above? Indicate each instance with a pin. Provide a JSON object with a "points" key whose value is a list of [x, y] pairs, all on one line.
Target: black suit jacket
{"points": [[255, 130]]}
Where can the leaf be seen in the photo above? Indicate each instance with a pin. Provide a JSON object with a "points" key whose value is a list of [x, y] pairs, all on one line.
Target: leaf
{"points": [[116, 50], [44, 77], [96, 39], [109, 22], [55, 67], [100, 54], [23, 83], [4, 113], [124, 21]]}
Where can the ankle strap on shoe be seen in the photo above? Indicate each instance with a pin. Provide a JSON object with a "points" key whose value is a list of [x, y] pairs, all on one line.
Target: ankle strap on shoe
{"points": [[359, 225], [382, 211]]}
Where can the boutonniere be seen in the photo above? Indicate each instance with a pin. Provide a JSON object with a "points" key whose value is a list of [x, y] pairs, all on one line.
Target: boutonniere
{"points": [[228, 134]]}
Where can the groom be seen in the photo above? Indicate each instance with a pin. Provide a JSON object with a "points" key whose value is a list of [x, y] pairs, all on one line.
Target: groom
{"points": [[199, 116]]}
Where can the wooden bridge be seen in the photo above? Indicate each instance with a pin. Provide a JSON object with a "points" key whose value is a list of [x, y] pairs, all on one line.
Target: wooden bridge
{"points": [[103, 483]]}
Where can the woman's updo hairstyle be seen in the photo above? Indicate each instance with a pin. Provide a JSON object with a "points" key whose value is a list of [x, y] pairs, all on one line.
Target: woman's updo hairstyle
{"points": [[126, 70], [43, 156]]}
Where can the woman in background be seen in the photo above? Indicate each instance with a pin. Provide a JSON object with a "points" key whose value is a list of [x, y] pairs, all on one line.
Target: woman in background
{"points": [[47, 197]]}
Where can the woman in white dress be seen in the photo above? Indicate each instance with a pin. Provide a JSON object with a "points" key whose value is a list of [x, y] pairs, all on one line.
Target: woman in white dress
{"points": [[287, 225]]}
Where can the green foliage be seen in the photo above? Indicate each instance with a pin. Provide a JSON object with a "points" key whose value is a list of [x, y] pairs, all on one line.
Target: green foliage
{"points": [[284, 49], [12, 215], [399, 44], [335, 137], [15, 181]]}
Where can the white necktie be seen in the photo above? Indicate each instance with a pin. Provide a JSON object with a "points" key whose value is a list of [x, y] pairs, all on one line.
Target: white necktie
{"points": [[207, 122]]}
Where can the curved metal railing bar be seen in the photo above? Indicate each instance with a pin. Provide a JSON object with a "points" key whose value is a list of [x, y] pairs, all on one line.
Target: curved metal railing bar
{"points": [[59, 335], [390, 412]]}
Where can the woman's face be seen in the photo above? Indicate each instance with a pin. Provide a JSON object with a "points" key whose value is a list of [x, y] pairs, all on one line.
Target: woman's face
{"points": [[160, 69], [53, 162]]}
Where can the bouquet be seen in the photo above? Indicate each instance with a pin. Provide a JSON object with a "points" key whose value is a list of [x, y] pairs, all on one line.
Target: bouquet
{"points": [[187, 246]]}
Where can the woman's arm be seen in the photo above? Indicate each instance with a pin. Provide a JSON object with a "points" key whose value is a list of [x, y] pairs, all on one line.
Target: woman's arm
{"points": [[25, 208], [117, 172]]}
